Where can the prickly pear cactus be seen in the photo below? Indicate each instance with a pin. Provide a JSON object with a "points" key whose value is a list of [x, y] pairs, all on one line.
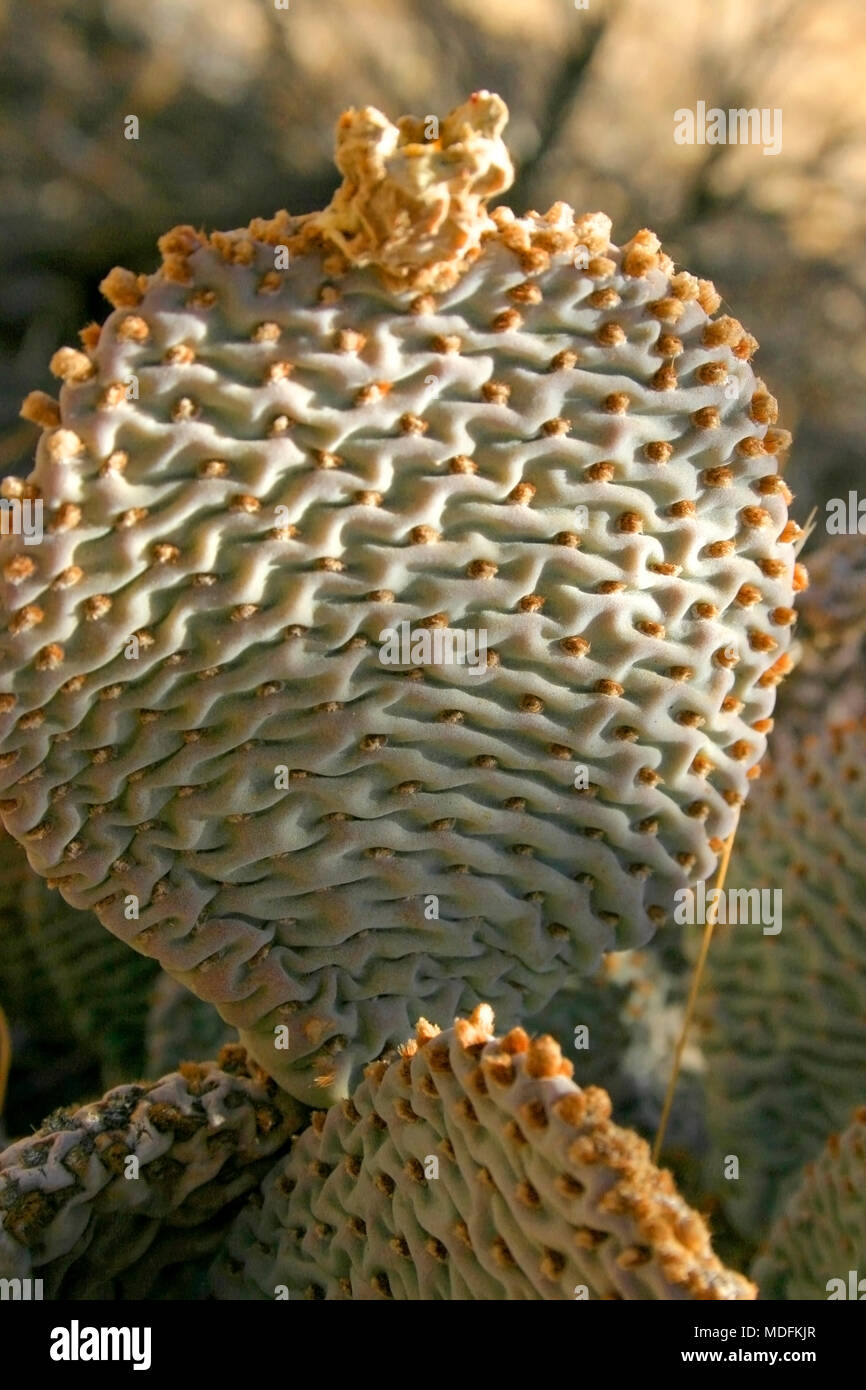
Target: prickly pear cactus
{"points": [[621, 1027], [24, 988], [295, 473], [815, 1249], [472, 1166], [832, 637], [54, 954], [180, 1027], [783, 1012], [77, 950], [84, 1199]]}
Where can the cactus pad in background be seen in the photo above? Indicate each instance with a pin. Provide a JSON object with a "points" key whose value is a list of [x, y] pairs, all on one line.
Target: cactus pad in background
{"points": [[402, 414], [471, 1166], [75, 1213], [64, 956], [632, 1012], [25, 991], [820, 1235], [77, 952], [783, 1015], [831, 636], [180, 1027]]}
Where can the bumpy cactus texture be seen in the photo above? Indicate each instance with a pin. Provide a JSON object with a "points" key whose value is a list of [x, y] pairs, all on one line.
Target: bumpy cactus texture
{"points": [[815, 1249], [76, 1212], [519, 430], [472, 1166], [784, 1040]]}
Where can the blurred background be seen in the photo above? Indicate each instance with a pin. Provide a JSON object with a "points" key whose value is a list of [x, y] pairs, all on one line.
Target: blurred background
{"points": [[236, 102]]}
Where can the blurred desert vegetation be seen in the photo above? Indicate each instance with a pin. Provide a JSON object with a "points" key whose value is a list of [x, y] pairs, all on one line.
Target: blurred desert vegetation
{"points": [[237, 100]]}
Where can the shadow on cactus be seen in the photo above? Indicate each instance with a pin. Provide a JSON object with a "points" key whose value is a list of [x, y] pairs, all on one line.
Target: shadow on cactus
{"points": [[403, 639]]}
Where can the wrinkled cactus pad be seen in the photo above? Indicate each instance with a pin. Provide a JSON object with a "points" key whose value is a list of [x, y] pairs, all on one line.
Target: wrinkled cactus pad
{"points": [[83, 1199], [471, 1166], [292, 467]]}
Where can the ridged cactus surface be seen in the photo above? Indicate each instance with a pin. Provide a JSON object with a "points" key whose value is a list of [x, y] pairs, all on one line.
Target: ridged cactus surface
{"points": [[783, 1038], [815, 1249], [403, 410], [83, 1200], [471, 1167]]}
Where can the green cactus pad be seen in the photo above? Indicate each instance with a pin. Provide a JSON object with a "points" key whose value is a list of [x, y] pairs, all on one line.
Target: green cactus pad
{"points": [[471, 1167], [297, 437], [831, 637], [815, 1249], [78, 981], [73, 1211], [783, 1014], [25, 991]]}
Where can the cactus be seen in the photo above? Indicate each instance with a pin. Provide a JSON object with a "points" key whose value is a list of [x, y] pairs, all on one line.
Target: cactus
{"points": [[471, 1166], [51, 956], [832, 637], [295, 443], [180, 1027], [625, 1023], [784, 1040], [84, 1198], [815, 1246], [416, 582], [24, 989]]}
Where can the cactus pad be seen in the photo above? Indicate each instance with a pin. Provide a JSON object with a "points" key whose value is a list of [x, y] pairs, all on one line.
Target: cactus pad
{"points": [[471, 1167], [784, 1039], [75, 1212], [297, 443], [820, 1235], [831, 637]]}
